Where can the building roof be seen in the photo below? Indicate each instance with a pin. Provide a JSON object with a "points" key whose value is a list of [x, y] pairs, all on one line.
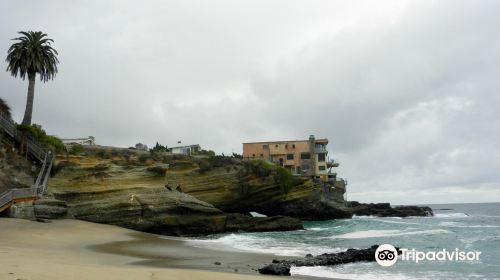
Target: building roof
{"points": [[185, 146], [322, 140]]}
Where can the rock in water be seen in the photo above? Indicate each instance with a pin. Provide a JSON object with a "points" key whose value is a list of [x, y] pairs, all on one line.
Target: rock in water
{"points": [[281, 269], [385, 210], [349, 256]]}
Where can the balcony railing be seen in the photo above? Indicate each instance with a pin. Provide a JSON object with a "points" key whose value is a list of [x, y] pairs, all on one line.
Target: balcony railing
{"points": [[320, 149], [332, 163]]}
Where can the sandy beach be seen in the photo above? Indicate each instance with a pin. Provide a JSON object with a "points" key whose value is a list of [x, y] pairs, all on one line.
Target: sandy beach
{"points": [[71, 249]]}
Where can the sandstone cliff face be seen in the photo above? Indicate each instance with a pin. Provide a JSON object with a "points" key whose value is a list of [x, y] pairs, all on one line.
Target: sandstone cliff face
{"points": [[229, 185], [134, 196], [234, 189]]}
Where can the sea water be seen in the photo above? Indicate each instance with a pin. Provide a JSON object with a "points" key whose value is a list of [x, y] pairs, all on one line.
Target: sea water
{"points": [[467, 227]]}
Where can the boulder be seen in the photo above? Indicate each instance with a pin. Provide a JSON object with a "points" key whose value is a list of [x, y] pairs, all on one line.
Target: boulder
{"points": [[282, 269]]}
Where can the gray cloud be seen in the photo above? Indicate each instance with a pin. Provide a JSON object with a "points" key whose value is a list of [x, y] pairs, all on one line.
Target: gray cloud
{"points": [[406, 91]]}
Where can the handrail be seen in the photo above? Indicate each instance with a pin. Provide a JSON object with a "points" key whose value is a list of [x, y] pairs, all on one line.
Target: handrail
{"points": [[38, 151]]}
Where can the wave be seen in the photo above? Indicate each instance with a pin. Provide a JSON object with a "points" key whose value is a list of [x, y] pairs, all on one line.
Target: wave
{"points": [[396, 222], [318, 229], [339, 272], [371, 271], [245, 243], [459, 225], [385, 233], [451, 215]]}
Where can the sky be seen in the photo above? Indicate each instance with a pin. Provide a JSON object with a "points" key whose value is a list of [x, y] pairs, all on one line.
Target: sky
{"points": [[407, 92]]}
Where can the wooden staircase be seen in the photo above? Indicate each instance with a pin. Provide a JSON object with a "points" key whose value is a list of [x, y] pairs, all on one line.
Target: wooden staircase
{"points": [[37, 151]]}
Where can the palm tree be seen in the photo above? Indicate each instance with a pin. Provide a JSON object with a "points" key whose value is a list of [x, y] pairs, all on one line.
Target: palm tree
{"points": [[32, 54]]}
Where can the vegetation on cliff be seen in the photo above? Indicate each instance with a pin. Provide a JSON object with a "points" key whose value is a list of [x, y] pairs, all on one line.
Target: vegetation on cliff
{"points": [[39, 135], [226, 182]]}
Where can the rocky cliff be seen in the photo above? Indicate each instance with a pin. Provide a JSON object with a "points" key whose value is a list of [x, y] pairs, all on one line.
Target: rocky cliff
{"points": [[252, 186], [133, 194], [182, 195]]}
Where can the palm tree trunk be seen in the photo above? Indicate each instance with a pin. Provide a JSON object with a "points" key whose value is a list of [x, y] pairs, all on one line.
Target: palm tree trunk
{"points": [[29, 101]]}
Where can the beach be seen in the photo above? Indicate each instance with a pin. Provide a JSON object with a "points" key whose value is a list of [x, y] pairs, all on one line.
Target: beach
{"points": [[71, 249]]}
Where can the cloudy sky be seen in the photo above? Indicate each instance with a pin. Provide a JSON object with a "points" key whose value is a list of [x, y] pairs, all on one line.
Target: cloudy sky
{"points": [[407, 92]]}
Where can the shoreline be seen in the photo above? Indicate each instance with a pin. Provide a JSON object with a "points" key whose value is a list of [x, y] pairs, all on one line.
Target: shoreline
{"points": [[73, 249]]}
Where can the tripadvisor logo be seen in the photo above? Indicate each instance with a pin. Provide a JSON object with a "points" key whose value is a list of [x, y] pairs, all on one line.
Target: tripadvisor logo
{"points": [[387, 255]]}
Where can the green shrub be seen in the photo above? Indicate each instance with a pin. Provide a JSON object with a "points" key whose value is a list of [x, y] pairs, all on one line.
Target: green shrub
{"points": [[103, 153], [158, 148], [182, 165], [38, 134], [143, 158], [284, 178], [206, 164], [76, 149], [264, 169], [204, 152]]}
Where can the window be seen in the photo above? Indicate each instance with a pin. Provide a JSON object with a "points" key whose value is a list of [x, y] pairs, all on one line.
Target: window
{"points": [[265, 147], [261, 155], [289, 157], [305, 156], [305, 168], [276, 145], [253, 155], [321, 168], [321, 157], [293, 146]]}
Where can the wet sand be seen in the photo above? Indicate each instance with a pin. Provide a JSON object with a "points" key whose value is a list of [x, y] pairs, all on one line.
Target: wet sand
{"points": [[158, 251], [71, 249]]}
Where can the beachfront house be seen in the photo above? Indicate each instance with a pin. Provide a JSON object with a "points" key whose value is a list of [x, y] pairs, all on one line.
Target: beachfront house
{"points": [[302, 157]]}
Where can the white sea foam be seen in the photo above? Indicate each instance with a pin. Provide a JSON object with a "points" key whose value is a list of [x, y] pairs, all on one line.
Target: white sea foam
{"points": [[451, 215], [339, 272], [322, 229], [363, 217], [245, 243], [459, 225], [396, 222], [385, 233]]}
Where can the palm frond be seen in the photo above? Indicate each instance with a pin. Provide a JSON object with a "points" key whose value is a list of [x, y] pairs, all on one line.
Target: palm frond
{"points": [[32, 53]]}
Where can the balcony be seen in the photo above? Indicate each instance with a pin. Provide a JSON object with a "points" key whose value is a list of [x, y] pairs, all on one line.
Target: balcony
{"points": [[332, 163], [320, 149]]}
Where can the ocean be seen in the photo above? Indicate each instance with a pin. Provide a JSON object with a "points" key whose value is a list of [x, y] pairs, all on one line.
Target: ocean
{"points": [[466, 227]]}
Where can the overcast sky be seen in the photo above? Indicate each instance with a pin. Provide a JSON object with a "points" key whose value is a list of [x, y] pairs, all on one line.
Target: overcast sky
{"points": [[407, 92]]}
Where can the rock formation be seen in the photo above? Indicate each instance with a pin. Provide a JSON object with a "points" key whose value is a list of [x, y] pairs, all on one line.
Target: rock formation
{"points": [[385, 210], [159, 211], [282, 267]]}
